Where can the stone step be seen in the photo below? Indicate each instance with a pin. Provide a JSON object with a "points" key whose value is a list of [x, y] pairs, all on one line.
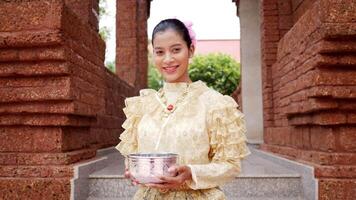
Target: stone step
{"points": [[251, 188], [260, 179], [289, 198]]}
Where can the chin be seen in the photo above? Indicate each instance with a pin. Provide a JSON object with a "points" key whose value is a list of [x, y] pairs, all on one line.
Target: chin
{"points": [[176, 77], [171, 79]]}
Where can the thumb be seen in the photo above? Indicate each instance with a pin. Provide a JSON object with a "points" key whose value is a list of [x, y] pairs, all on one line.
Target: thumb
{"points": [[183, 169], [173, 170]]}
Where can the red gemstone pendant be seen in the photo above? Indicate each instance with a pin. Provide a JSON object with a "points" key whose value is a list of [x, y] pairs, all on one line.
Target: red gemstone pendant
{"points": [[170, 107]]}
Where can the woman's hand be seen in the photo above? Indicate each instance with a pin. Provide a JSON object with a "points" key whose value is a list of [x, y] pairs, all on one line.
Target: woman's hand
{"points": [[128, 176], [183, 173]]}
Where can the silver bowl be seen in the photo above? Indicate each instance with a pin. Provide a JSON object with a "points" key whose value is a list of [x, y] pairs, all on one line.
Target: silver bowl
{"points": [[145, 167]]}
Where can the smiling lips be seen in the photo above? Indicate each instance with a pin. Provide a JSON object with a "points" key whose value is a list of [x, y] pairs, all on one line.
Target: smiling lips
{"points": [[171, 69]]}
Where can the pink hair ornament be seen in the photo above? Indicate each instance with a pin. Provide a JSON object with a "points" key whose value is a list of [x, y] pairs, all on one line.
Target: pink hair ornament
{"points": [[188, 25], [192, 34]]}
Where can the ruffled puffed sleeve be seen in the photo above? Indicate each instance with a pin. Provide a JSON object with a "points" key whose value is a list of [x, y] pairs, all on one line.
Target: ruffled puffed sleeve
{"points": [[226, 129], [132, 110]]}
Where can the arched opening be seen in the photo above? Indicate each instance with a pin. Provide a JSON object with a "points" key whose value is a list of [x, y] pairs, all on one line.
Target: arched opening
{"points": [[57, 94], [131, 38], [247, 18], [131, 53]]}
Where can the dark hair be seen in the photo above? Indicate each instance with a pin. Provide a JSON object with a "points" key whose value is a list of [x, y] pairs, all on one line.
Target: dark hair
{"points": [[175, 25]]}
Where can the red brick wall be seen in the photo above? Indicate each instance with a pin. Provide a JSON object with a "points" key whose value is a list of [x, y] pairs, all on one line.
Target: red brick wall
{"points": [[86, 10], [58, 103], [309, 88], [238, 96], [131, 41], [299, 7]]}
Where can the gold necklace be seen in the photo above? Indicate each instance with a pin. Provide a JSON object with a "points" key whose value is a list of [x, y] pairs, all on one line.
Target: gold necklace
{"points": [[170, 108]]}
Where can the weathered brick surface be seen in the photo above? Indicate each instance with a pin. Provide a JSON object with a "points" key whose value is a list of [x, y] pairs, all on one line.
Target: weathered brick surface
{"points": [[310, 89], [335, 171], [269, 41], [46, 158], [47, 15], [299, 7], [33, 54], [237, 95], [87, 11], [30, 139], [310, 156], [46, 171], [30, 38], [131, 41], [331, 188], [58, 103], [35, 188]]}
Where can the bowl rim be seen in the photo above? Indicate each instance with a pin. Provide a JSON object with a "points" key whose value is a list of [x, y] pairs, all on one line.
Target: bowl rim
{"points": [[152, 155]]}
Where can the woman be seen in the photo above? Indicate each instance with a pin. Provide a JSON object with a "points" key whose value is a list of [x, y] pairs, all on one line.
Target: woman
{"points": [[188, 118]]}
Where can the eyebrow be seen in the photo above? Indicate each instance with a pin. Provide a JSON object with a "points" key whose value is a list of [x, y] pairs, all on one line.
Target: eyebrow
{"points": [[174, 45], [178, 44]]}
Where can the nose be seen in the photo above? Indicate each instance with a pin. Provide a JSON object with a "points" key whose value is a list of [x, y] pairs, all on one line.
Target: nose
{"points": [[167, 58]]}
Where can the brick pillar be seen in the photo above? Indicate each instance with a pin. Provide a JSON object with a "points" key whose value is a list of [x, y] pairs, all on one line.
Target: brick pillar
{"points": [[58, 103], [269, 41], [314, 95], [277, 19], [86, 10], [131, 41]]}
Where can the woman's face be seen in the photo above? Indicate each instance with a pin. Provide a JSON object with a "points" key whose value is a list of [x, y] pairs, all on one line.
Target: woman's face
{"points": [[171, 56]]}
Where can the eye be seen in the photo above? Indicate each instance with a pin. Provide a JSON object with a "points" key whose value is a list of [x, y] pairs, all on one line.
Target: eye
{"points": [[176, 50], [159, 52]]}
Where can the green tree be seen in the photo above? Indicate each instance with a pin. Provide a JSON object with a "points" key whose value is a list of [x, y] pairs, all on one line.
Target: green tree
{"points": [[104, 31], [111, 66], [155, 80], [219, 71]]}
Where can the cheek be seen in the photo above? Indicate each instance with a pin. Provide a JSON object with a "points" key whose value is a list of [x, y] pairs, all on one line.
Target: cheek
{"points": [[183, 58], [157, 61]]}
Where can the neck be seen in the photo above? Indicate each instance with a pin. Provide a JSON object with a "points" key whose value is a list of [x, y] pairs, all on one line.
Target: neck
{"points": [[180, 81], [185, 79]]}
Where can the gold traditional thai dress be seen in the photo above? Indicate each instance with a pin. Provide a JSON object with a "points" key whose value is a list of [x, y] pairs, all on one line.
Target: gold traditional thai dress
{"points": [[206, 130]]}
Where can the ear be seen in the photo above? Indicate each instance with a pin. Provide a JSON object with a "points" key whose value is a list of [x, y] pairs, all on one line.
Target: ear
{"points": [[191, 51]]}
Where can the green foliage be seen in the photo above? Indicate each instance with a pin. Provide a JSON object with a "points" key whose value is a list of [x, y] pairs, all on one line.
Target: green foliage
{"points": [[219, 71], [155, 80], [102, 8], [104, 31], [111, 66]]}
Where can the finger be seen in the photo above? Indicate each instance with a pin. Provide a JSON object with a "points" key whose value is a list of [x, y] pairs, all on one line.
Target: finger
{"points": [[135, 182], [170, 180], [127, 174], [153, 185], [161, 186], [173, 169], [182, 169]]}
